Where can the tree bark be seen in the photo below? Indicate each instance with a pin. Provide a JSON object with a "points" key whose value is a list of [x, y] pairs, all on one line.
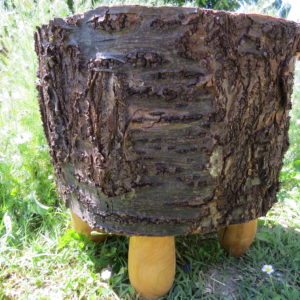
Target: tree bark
{"points": [[164, 121]]}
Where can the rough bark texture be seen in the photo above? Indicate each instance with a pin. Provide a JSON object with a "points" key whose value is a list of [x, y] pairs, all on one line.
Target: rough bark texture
{"points": [[163, 121]]}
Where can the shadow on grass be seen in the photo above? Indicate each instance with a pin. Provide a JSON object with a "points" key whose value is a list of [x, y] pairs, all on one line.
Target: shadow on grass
{"points": [[204, 271]]}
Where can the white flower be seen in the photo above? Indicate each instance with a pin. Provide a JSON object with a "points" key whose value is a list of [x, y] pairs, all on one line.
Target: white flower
{"points": [[50, 177], [23, 138], [105, 274], [267, 269], [16, 158]]}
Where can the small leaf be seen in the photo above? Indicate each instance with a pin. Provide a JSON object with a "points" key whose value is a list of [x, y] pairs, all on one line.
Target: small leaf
{"points": [[93, 233], [131, 290], [68, 237], [297, 164], [264, 237]]}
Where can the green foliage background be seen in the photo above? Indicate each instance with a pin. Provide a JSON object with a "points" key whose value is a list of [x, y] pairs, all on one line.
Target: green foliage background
{"points": [[34, 222]]}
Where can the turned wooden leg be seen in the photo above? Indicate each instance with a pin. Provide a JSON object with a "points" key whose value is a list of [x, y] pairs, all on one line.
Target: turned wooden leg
{"points": [[151, 265], [237, 238], [81, 226]]}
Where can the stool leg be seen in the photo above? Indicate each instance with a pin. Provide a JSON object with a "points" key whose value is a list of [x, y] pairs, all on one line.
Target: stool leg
{"points": [[81, 226], [151, 265], [237, 238]]}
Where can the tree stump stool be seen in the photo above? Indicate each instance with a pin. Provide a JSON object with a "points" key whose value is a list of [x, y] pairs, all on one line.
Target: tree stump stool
{"points": [[166, 121]]}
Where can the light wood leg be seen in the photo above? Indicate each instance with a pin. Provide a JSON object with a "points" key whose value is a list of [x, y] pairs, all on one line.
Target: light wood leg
{"points": [[237, 238], [151, 265], [82, 227]]}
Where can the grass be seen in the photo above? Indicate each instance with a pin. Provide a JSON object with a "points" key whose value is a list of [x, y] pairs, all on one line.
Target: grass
{"points": [[42, 258]]}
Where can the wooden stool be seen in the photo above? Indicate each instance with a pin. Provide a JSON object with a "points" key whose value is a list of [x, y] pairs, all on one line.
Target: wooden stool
{"points": [[166, 121]]}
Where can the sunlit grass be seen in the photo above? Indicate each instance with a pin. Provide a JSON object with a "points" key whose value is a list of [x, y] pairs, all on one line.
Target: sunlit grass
{"points": [[41, 258]]}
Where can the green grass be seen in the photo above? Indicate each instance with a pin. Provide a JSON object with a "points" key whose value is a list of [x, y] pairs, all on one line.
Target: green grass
{"points": [[42, 258]]}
